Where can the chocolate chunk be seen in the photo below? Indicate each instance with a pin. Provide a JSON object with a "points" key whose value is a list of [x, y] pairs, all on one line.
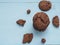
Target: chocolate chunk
{"points": [[40, 21], [21, 22], [27, 38], [45, 5], [55, 21], [28, 11], [43, 40]]}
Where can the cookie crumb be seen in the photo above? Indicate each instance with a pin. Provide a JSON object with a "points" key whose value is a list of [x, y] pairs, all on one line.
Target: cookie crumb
{"points": [[21, 22], [27, 38], [55, 21], [28, 11], [43, 40]]}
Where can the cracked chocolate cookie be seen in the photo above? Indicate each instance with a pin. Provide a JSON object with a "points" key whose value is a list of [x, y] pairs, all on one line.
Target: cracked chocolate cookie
{"points": [[45, 5], [40, 21]]}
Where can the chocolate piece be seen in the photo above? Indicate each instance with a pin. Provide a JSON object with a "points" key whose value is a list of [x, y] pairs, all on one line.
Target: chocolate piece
{"points": [[21, 22], [55, 21], [28, 11], [27, 38], [40, 21], [43, 40], [45, 5]]}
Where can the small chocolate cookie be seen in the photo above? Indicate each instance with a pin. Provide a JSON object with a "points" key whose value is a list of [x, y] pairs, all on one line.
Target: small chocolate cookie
{"points": [[40, 21], [21, 22], [27, 38], [43, 40], [55, 21], [45, 5]]}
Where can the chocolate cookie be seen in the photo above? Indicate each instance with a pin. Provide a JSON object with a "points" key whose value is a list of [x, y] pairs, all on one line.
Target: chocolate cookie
{"points": [[21, 22], [40, 21], [55, 21], [27, 38], [45, 5]]}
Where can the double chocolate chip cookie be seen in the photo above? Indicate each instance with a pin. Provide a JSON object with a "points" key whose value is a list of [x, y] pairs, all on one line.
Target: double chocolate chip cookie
{"points": [[45, 5], [40, 21]]}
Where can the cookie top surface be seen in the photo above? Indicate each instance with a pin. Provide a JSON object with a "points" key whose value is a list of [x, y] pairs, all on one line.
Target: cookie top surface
{"points": [[40, 21], [45, 5]]}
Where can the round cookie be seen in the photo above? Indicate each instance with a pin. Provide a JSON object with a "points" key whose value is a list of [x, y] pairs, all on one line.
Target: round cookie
{"points": [[45, 5], [40, 21]]}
